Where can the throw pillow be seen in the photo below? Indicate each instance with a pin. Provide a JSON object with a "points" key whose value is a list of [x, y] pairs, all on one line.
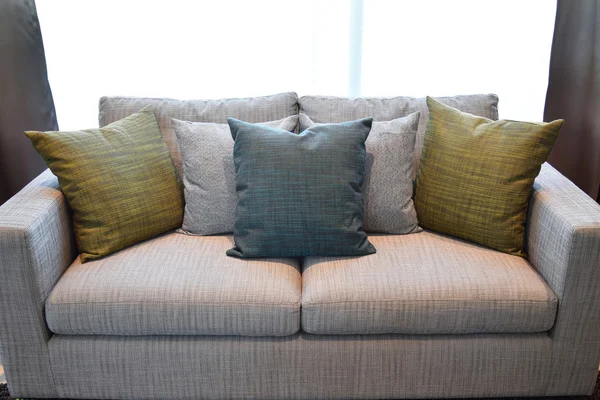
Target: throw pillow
{"points": [[476, 175], [209, 174], [300, 195], [119, 181], [388, 185]]}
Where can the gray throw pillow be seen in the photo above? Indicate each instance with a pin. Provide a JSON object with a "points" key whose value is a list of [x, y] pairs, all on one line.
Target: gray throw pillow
{"points": [[388, 186], [300, 195], [209, 174]]}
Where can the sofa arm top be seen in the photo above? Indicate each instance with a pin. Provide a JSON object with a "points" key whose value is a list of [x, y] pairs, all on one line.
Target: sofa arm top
{"points": [[563, 229], [36, 228]]}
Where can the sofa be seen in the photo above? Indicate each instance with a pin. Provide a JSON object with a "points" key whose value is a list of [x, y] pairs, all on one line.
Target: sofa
{"points": [[427, 316]]}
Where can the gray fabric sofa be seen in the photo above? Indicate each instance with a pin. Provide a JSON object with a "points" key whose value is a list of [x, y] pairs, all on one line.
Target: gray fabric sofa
{"points": [[174, 318]]}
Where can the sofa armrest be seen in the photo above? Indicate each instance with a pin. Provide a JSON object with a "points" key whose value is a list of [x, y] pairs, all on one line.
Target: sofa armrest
{"points": [[36, 245], [564, 247]]}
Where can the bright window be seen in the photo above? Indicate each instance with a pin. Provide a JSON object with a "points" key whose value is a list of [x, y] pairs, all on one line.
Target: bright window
{"points": [[201, 49]]}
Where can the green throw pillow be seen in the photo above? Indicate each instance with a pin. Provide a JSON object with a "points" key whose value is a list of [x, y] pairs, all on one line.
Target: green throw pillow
{"points": [[476, 175], [300, 195], [119, 181]]}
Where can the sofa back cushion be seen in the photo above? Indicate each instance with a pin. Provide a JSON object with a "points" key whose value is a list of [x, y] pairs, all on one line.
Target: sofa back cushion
{"points": [[325, 109], [254, 109]]}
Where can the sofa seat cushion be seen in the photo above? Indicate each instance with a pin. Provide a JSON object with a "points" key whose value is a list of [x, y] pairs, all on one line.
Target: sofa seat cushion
{"points": [[177, 285], [424, 283]]}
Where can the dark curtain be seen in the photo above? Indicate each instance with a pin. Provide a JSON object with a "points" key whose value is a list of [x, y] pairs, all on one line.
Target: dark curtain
{"points": [[25, 98], [574, 92]]}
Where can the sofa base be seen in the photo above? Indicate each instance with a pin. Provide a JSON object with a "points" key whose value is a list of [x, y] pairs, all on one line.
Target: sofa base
{"points": [[301, 366]]}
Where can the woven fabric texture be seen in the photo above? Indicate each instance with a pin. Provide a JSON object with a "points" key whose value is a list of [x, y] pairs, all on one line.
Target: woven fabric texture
{"points": [[564, 247], [476, 175], [118, 180], [301, 366], [36, 245], [177, 285], [252, 109], [425, 283], [300, 195], [388, 187], [209, 174], [326, 109]]}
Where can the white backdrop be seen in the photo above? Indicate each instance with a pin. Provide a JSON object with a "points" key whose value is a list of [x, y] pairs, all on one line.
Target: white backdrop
{"points": [[235, 48]]}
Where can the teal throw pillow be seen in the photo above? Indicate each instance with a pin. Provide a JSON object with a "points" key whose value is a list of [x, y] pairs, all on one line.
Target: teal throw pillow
{"points": [[300, 195]]}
